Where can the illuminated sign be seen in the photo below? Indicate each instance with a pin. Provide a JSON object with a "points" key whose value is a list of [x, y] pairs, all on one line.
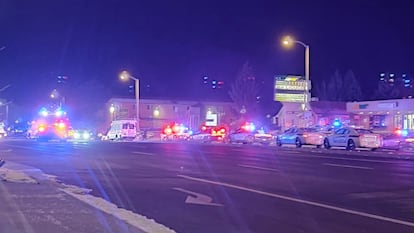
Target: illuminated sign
{"points": [[211, 119], [292, 85], [289, 78], [290, 97], [291, 88]]}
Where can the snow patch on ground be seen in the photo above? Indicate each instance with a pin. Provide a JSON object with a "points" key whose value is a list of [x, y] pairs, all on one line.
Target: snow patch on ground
{"points": [[136, 220], [16, 176]]}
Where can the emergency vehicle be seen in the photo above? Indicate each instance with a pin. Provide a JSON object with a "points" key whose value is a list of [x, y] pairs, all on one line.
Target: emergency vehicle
{"points": [[175, 131], [122, 129], [50, 125]]}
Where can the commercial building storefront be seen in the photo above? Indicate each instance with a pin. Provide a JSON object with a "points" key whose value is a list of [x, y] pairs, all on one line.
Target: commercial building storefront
{"points": [[322, 113], [156, 113], [386, 115]]}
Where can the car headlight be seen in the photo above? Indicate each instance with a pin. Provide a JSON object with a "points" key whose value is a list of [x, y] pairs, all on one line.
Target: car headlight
{"points": [[76, 135], [86, 135]]}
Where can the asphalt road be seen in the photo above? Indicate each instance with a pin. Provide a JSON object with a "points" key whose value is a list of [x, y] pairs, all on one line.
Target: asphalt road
{"points": [[235, 188]]}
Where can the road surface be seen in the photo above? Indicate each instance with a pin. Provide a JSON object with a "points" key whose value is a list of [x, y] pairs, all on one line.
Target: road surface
{"points": [[235, 188]]}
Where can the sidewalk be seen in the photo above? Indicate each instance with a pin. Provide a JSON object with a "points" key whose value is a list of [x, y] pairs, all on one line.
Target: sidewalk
{"points": [[31, 204]]}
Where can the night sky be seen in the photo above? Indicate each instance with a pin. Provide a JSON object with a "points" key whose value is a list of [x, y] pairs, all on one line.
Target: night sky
{"points": [[171, 45]]}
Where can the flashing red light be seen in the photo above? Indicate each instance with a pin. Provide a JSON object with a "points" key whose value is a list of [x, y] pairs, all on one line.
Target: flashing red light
{"points": [[61, 125], [204, 128], [176, 128], [398, 131], [168, 130], [223, 130], [248, 126], [42, 128]]}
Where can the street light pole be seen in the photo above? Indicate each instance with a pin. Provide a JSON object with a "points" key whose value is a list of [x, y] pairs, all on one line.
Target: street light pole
{"points": [[125, 76], [289, 41], [307, 78], [6, 105], [137, 101]]}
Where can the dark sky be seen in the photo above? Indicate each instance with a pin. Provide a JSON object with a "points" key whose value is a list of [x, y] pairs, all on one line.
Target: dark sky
{"points": [[173, 44]]}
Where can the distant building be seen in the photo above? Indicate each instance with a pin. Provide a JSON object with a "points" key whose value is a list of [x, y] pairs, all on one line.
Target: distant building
{"points": [[386, 115], [156, 113], [402, 82], [323, 113]]}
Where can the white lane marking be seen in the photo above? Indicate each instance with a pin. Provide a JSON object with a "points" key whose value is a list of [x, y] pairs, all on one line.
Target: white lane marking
{"points": [[346, 166], [142, 153], [259, 168], [312, 203], [197, 198], [362, 160], [6, 151]]}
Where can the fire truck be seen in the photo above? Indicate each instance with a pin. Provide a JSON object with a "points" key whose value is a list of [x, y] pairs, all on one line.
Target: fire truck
{"points": [[50, 125]]}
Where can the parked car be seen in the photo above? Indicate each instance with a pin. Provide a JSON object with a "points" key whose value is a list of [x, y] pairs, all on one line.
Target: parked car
{"points": [[301, 136], [398, 140], [249, 135], [121, 129], [175, 131], [352, 138], [3, 132]]}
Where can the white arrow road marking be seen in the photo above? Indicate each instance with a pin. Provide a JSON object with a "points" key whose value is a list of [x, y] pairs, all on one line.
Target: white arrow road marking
{"points": [[197, 198], [347, 166], [311, 203]]}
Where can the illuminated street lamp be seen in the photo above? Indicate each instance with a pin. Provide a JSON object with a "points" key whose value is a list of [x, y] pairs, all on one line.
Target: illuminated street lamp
{"points": [[156, 113], [112, 111], [124, 76], [288, 42]]}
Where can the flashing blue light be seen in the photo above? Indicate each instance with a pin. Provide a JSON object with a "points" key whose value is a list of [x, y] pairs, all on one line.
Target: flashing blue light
{"points": [[337, 123], [59, 113], [190, 132], [43, 112], [404, 132], [252, 127]]}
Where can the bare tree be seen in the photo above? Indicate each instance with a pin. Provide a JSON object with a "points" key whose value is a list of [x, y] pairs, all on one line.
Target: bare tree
{"points": [[244, 91], [352, 88], [339, 88], [386, 91]]}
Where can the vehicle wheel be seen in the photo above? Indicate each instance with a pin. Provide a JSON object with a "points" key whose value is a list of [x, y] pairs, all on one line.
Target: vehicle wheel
{"points": [[250, 139], [265, 143], [278, 142], [351, 145], [326, 144], [318, 146], [374, 149], [298, 143], [400, 147]]}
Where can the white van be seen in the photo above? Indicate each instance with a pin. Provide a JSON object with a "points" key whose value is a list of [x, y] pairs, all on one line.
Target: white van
{"points": [[122, 129]]}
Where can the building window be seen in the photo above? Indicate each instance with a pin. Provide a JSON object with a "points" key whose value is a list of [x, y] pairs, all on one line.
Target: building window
{"points": [[148, 107], [175, 109]]}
